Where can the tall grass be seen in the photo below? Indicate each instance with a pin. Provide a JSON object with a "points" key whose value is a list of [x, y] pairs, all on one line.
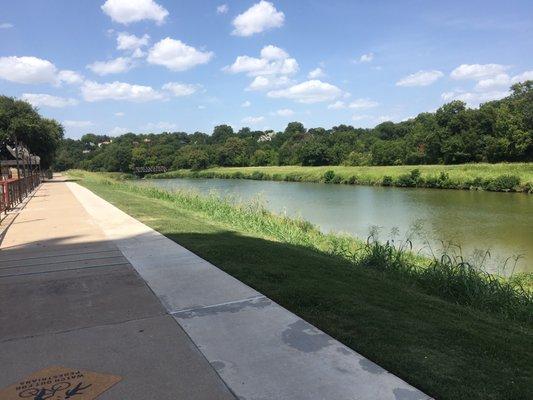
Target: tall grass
{"points": [[492, 177], [447, 276]]}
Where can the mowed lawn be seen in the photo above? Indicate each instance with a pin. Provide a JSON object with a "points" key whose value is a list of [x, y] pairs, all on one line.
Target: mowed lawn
{"points": [[446, 350]]}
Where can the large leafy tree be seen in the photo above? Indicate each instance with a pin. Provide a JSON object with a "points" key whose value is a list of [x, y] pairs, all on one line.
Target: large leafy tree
{"points": [[21, 123]]}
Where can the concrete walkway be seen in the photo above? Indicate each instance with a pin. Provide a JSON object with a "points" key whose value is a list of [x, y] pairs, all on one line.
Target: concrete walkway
{"points": [[68, 297], [85, 285]]}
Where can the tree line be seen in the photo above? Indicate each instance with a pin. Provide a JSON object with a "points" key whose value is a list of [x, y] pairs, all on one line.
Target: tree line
{"points": [[497, 131]]}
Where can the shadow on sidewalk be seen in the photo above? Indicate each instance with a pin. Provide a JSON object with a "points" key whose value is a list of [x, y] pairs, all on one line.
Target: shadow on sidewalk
{"points": [[417, 337]]}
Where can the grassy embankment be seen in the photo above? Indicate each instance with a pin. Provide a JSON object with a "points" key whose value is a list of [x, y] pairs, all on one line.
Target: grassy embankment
{"points": [[453, 333], [494, 177]]}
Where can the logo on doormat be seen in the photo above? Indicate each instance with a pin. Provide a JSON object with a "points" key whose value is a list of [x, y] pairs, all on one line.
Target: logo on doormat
{"points": [[59, 383]]}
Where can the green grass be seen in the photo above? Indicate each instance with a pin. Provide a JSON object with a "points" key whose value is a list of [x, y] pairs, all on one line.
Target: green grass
{"points": [[448, 350], [494, 177]]}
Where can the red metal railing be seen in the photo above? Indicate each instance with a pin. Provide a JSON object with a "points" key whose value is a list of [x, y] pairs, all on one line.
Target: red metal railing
{"points": [[13, 191]]}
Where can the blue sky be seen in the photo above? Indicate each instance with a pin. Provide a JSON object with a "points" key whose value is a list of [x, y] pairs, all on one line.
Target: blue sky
{"points": [[112, 66]]}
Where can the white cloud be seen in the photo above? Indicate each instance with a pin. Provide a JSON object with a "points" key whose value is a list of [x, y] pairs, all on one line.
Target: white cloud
{"points": [[524, 76], [338, 105], [94, 91], [366, 58], [252, 120], [119, 114], [478, 71], [77, 124], [128, 11], [269, 82], [27, 70], [115, 66], [180, 89], [273, 61], [492, 83], [363, 103], [272, 70], [246, 104], [358, 104], [316, 73], [260, 83], [117, 130], [473, 99], [160, 126], [201, 107], [258, 18], [6, 25], [285, 112], [271, 52], [33, 70], [222, 9], [70, 77], [312, 91], [420, 78], [125, 41], [247, 64], [47, 100], [176, 55], [498, 81], [358, 117], [501, 81], [138, 53]]}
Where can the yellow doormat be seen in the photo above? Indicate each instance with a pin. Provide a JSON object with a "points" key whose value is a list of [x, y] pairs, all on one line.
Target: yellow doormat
{"points": [[59, 383]]}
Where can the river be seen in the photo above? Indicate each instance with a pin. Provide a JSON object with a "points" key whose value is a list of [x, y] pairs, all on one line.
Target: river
{"points": [[499, 222]]}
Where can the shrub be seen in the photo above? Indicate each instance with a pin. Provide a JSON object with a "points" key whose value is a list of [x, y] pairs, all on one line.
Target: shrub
{"points": [[387, 180], [257, 175], [328, 176], [336, 179], [404, 180], [352, 180], [432, 182], [411, 179], [504, 183]]}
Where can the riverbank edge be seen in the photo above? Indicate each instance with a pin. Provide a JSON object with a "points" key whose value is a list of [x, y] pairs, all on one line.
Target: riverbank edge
{"points": [[510, 178], [443, 320], [449, 277]]}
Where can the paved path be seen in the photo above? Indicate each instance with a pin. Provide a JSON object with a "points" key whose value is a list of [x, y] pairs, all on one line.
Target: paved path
{"points": [[85, 285], [69, 297]]}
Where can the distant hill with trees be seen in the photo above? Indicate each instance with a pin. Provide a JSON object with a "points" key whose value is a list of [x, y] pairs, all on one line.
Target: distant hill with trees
{"points": [[497, 131]]}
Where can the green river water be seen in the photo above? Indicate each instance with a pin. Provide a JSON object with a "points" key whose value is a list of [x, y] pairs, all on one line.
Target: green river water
{"points": [[476, 221]]}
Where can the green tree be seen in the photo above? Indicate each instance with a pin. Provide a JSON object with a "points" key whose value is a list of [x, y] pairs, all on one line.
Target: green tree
{"points": [[21, 123], [232, 153], [221, 133], [191, 157]]}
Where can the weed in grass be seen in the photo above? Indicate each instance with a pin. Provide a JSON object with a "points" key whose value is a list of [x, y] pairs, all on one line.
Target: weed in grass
{"points": [[329, 176]]}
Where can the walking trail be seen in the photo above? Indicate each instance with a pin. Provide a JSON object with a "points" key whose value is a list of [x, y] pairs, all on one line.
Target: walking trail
{"points": [[85, 286]]}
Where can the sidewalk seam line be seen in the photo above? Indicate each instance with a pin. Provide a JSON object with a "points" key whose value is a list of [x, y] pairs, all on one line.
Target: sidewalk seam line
{"points": [[63, 270], [56, 255], [82, 328], [217, 305], [60, 262]]}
